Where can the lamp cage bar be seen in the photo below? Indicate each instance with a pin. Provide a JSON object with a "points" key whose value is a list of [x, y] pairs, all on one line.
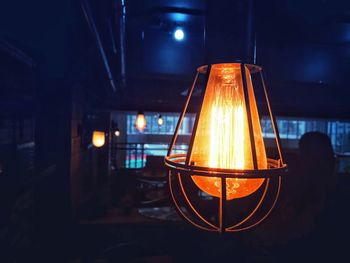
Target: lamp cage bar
{"points": [[198, 114]]}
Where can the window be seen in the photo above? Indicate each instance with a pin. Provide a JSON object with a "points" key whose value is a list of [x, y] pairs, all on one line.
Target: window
{"points": [[290, 129], [136, 155], [168, 127]]}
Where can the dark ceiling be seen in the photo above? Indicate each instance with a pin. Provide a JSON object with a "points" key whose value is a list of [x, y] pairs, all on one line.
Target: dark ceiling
{"points": [[304, 47]]}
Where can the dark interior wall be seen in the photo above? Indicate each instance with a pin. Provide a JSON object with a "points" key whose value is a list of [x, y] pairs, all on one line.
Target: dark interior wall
{"points": [[229, 32], [89, 88], [38, 27], [44, 30], [303, 47], [151, 47], [163, 55]]}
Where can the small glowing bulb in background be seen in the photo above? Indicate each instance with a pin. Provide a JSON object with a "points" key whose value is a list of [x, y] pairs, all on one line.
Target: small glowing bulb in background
{"points": [[179, 34], [160, 120], [141, 122], [117, 132], [98, 138]]}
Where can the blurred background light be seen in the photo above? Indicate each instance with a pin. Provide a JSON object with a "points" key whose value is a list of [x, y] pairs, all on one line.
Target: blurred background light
{"points": [[179, 34]]}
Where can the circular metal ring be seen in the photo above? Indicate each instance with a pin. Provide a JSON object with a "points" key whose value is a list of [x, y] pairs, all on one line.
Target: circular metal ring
{"points": [[176, 163], [252, 67]]}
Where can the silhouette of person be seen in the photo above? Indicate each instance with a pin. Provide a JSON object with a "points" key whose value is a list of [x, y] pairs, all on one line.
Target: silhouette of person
{"points": [[293, 229]]}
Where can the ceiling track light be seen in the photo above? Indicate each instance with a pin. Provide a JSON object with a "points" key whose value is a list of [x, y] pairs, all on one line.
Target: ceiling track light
{"points": [[179, 34]]}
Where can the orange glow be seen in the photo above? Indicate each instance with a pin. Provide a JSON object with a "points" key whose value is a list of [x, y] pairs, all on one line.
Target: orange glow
{"points": [[98, 138], [222, 139], [140, 122]]}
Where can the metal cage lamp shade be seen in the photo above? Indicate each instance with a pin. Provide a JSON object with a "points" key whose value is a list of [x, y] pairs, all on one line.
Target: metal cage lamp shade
{"points": [[226, 168]]}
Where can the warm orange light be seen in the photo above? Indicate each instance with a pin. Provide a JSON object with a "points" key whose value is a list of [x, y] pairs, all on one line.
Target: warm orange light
{"points": [[160, 120], [98, 138], [222, 139], [140, 122]]}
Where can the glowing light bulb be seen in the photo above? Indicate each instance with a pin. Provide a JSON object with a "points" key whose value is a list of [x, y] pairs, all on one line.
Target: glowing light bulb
{"points": [[117, 132], [98, 138], [141, 122], [160, 120], [222, 138], [179, 34]]}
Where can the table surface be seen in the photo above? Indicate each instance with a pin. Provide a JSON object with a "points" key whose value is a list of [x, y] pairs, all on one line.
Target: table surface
{"points": [[148, 215]]}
